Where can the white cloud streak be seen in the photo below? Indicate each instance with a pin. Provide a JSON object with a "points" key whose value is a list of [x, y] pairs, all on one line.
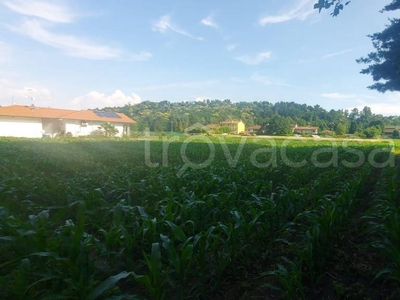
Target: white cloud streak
{"points": [[209, 21], [99, 100], [21, 93], [337, 53], [388, 105], [301, 11], [338, 96], [42, 31], [74, 46], [254, 60], [164, 24], [47, 10], [386, 109], [330, 55]]}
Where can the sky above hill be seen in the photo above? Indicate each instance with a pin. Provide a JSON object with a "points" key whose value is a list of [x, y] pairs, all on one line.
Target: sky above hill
{"points": [[88, 54]]}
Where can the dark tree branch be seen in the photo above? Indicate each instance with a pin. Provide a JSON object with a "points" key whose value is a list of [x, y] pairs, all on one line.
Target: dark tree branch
{"points": [[384, 63]]}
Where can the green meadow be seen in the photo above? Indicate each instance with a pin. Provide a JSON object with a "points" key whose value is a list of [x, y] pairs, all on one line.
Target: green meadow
{"points": [[199, 217]]}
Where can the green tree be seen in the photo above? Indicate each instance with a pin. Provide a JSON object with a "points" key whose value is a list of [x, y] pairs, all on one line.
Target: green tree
{"points": [[279, 125], [384, 63], [109, 129], [372, 132], [396, 134], [164, 115], [378, 123], [341, 129], [197, 130], [224, 129]]}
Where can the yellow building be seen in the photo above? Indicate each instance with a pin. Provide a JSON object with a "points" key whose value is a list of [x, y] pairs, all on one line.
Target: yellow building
{"points": [[236, 126]]}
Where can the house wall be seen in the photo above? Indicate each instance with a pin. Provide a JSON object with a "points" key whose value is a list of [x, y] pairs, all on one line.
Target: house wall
{"points": [[235, 127], [306, 131], [76, 129], [52, 127], [389, 130], [240, 127], [20, 127]]}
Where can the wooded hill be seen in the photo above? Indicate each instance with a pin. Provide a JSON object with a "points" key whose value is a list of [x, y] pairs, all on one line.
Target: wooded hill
{"points": [[274, 117]]}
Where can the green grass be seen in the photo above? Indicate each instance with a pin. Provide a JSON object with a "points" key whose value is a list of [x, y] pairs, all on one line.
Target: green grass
{"points": [[98, 219]]}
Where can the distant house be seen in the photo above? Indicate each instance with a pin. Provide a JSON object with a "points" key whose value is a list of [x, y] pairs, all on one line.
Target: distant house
{"points": [[254, 129], [389, 129], [236, 126], [36, 122], [305, 130], [213, 127]]}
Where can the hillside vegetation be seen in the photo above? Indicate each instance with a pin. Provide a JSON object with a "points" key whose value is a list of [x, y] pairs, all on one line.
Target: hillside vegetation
{"points": [[172, 116]]}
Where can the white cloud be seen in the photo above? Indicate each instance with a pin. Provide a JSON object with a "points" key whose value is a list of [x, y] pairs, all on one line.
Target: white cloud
{"points": [[389, 104], [337, 53], [42, 9], [339, 96], [209, 21], [179, 85], [360, 98], [73, 46], [254, 60], [100, 100], [21, 93], [301, 11], [164, 24], [231, 47], [385, 109]]}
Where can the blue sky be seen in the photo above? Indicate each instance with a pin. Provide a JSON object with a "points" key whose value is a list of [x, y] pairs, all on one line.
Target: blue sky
{"points": [[87, 54]]}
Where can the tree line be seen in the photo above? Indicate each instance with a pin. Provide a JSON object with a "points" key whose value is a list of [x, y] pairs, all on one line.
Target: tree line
{"points": [[274, 118]]}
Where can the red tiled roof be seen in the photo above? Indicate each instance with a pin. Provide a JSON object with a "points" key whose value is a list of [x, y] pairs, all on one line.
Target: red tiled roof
{"points": [[212, 125], [56, 113], [255, 127], [231, 122]]}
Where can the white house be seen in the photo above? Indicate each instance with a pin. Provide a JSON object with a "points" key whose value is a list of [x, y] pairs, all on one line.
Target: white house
{"points": [[36, 122]]}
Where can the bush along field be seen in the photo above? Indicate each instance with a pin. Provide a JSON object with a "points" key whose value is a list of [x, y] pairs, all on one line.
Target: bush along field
{"points": [[199, 218]]}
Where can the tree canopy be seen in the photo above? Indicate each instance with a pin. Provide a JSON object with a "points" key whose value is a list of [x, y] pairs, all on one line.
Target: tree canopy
{"points": [[273, 117], [327, 4], [384, 63]]}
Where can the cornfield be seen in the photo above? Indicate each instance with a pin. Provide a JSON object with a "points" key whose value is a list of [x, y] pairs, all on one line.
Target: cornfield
{"points": [[131, 219]]}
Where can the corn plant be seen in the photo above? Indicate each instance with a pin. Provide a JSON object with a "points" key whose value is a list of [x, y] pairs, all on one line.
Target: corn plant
{"points": [[290, 279]]}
